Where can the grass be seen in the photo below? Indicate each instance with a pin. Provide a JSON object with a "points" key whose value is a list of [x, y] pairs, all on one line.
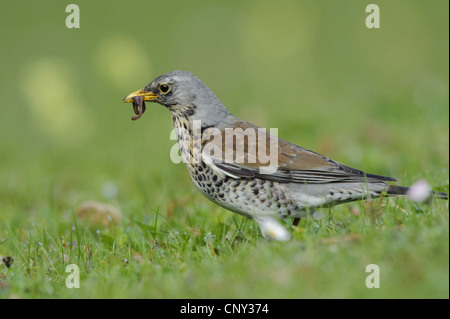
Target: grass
{"points": [[376, 100], [202, 251]]}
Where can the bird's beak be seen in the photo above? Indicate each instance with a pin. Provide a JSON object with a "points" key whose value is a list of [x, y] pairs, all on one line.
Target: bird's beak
{"points": [[148, 96]]}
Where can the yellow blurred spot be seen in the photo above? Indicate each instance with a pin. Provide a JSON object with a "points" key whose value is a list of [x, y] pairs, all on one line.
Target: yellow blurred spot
{"points": [[121, 59], [49, 88], [278, 33]]}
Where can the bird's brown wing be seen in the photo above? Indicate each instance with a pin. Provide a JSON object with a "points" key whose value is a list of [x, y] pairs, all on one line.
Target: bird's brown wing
{"points": [[246, 151]]}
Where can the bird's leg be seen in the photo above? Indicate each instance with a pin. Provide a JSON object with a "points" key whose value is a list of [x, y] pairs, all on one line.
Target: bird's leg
{"points": [[296, 221]]}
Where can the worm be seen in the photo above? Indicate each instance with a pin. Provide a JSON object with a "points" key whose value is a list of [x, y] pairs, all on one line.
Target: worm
{"points": [[138, 107]]}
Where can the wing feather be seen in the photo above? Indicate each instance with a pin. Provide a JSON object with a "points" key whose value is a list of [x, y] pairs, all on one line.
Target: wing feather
{"points": [[293, 164]]}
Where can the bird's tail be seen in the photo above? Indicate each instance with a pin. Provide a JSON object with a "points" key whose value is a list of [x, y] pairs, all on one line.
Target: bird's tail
{"points": [[402, 190]]}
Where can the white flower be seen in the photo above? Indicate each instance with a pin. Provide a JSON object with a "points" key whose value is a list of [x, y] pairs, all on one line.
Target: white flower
{"points": [[272, 229], [110, 190], [419, 192]]}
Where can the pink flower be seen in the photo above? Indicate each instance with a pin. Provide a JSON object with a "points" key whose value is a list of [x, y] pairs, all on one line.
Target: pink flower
{"points": [[419, 192]]}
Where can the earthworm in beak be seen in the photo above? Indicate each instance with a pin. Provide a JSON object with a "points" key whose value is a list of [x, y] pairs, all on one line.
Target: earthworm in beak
{"points": [[138, 107]]}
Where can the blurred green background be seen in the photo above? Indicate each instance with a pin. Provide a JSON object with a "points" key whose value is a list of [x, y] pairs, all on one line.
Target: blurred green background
{"points": [[311, 69], [375, 99]]}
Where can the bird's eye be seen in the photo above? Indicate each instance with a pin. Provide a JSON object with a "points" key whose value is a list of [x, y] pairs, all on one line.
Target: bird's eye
{"points": [[164, 88]]}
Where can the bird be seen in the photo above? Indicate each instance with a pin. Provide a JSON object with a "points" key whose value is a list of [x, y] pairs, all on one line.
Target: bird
{"points": [[246, 169]]}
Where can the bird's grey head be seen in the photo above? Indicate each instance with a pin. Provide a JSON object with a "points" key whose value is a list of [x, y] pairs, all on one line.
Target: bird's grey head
{"points": [[184, 95]]}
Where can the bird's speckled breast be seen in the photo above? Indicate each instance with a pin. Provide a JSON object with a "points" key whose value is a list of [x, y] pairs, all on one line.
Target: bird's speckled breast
{"points": [[248, 197]]}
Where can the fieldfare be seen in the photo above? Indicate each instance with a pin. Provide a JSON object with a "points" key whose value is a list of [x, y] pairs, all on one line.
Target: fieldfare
{"points": [[247, 170]]}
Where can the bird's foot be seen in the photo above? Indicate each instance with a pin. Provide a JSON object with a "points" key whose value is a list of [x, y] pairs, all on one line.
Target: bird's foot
{"points": [[296, 221]]}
